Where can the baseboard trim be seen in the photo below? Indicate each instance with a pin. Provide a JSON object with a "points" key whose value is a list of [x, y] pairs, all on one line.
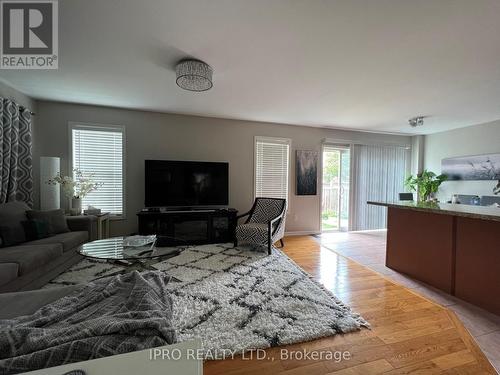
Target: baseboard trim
{"points": [[302, 233]]}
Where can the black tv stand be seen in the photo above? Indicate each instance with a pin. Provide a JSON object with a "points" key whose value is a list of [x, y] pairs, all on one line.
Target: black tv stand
{"points": [[192, 226], [183, 209]]}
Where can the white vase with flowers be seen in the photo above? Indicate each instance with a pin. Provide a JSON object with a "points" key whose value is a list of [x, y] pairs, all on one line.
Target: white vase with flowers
{"points": [[76, 187]]}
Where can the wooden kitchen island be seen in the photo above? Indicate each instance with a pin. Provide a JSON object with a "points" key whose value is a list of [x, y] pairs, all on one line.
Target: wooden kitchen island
{"points": [[455, 248]]}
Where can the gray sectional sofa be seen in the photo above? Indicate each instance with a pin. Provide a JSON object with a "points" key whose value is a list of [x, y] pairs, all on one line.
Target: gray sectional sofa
{"points": [[28, 265]]}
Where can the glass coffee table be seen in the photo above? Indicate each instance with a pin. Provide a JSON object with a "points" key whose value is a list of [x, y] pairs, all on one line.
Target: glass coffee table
{"points": [[119, 250]]}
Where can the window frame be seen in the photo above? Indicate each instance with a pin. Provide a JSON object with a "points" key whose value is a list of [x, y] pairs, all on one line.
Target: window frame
{"points": [[77, 125], [280, 140]]}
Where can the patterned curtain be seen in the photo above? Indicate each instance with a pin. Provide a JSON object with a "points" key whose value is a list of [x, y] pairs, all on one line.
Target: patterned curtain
{"points": [[16, 162]]}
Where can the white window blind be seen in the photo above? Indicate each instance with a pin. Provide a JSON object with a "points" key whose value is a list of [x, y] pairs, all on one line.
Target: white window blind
{"points": [[100, 152], [271, 167]]}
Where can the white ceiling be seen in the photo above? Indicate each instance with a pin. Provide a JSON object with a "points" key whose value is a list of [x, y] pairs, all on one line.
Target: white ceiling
{"points": [[359, 64]]}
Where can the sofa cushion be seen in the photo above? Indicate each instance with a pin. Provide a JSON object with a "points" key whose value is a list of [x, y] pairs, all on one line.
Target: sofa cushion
{"points": [[68, 240], [55, 219], [30, 257], [8, 272], [11, 216], [26, 303]]}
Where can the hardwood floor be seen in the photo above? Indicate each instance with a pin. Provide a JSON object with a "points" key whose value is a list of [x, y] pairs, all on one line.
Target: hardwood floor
{"points": [[409, 334], [368, 249]]}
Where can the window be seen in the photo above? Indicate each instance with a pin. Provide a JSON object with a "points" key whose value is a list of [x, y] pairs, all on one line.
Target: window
{"points": [[272, 157], [99, 150]]}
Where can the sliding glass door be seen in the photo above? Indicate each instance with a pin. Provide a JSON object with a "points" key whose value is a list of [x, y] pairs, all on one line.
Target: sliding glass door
{"points": [[335, 190], [354, 174]]}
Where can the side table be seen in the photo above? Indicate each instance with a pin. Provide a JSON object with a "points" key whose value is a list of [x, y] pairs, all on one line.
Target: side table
{"points": [[103, 220]]}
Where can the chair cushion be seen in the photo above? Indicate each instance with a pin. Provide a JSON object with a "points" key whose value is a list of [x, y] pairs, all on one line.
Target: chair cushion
{"points": [[68, 240], [30, 257], [8, 272], [252, 232], [55, 219], [11, 216]]}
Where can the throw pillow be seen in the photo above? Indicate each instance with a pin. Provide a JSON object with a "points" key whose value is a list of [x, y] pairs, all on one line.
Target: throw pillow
{"points": [[55, 220], [7, 237], [11, 215], [35, 229]]}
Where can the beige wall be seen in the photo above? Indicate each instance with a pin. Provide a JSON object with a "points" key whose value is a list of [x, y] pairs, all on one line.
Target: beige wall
{"points": [[24, 100], [166, 136], [472, 140]]}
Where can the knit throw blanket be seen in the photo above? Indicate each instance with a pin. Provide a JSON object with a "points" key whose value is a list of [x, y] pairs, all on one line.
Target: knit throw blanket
{"points": [[110, 316]]}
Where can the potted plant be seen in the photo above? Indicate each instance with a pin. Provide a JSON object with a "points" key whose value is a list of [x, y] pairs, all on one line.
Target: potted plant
{"points": [[76, 188], [426, 184]]}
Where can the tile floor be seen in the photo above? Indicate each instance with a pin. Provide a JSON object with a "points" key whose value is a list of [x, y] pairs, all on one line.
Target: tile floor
{"points": [[368, 248]]}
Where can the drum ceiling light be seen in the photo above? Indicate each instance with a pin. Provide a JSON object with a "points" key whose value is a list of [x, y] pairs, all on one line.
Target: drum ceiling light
{"points": [[194, 75]]}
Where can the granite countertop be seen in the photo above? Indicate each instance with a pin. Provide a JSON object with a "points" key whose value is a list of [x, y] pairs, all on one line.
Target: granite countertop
{"points": [[474, 212]]}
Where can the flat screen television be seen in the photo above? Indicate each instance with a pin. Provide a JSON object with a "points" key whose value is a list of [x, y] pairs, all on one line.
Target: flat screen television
{"points": [[172, 183]]}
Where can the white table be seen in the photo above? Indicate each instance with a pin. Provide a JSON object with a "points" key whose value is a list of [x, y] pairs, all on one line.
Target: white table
{"points": [[103, 225]]}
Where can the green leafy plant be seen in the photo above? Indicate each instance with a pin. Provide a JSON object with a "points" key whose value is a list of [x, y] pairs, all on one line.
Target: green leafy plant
{"points": [[425, 184]]}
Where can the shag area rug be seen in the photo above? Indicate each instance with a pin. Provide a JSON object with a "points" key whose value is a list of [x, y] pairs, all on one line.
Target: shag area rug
{"points": [[238, 299]]}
